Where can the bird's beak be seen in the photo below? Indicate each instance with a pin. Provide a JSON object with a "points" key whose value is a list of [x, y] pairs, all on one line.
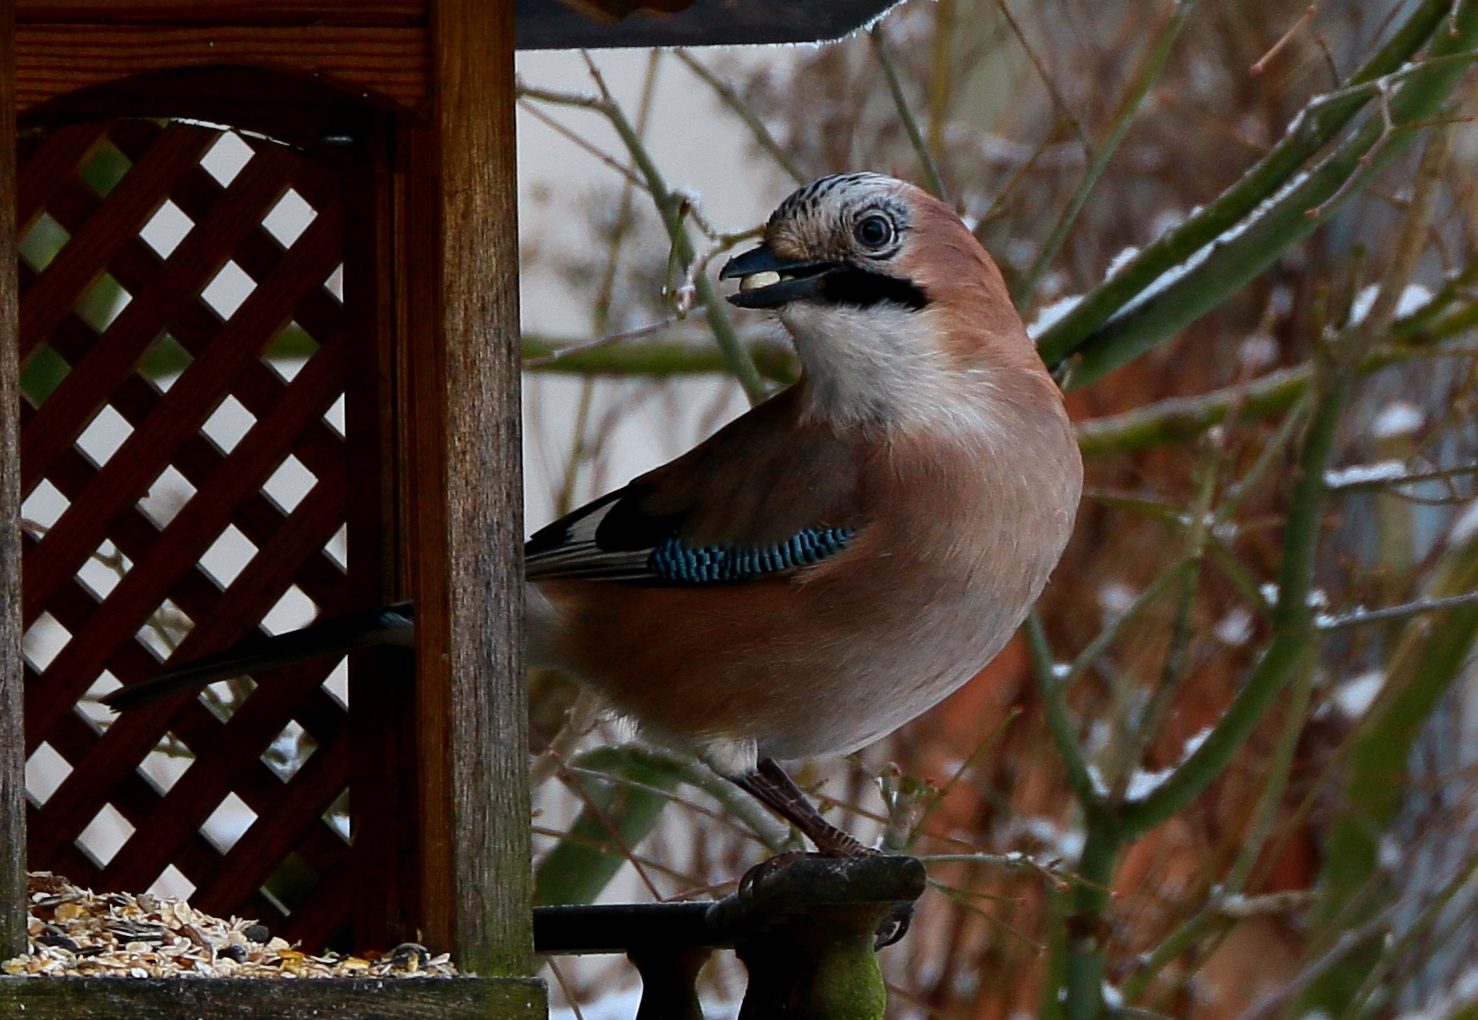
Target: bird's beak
{"points": [[767, 281]]}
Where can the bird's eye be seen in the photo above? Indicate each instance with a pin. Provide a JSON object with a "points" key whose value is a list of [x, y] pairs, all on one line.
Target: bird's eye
{"points": [[873, 231]]}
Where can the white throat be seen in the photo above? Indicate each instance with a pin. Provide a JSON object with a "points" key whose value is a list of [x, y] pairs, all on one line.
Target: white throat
{"points": [[883, 366]]}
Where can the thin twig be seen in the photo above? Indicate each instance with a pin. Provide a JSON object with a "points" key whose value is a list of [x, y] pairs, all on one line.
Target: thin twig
{"points": [[1320, 122], [1262, 62], [649, 329], [1271, 1005], [932, 181], [571, 136], [742, 110], [682, 246], [1379, 476], [1053, 92], [1059, 723], [1145, 77], [1360, 617]]}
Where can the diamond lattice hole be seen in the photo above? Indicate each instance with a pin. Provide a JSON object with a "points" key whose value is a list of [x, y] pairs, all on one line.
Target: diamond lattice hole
{"points": [[169, 760], [45, 505], [289, 886], [290, 351], [337, 683], [337, 816], [44, 641], [164, 362], [228, 822], [228, 290], [166, 497], [43, 373], [335, 283], [105, 168], [103, 302], [99, 716], [226, 157], [165, 628], [166, 229], [289, 218], [290, 484], [43, 241], [105, 835], [224, 697], [338, 547], [172, 883], [335, 415], [104, 435], [293, 611], [45, 770], [228, 556], [104, 569], [229, 424], [289, 750]]}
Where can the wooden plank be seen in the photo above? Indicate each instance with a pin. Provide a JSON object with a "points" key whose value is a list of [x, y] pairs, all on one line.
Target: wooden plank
{"points": [[327, 909], [54, 165], [327, 999], [473, 706], [261, 848], [53, 60], [12, 731], [382, 681], [223, 12]]}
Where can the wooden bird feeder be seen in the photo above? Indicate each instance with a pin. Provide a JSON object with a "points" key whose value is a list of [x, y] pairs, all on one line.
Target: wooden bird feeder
{"points": [[372, 350]]}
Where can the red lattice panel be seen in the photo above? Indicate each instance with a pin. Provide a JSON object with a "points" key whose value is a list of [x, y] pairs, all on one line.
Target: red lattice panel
{"points": [[183, 346]]}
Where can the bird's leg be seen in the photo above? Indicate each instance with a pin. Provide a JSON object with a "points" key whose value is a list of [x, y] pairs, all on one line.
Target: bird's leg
{"points": [[769, 784]]}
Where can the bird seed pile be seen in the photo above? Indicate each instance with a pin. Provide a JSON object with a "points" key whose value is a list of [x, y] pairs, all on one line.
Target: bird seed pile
{"points": [[76, 933]]}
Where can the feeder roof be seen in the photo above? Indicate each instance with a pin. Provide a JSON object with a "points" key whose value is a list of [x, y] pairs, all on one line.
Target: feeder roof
{"points": [[560, 24]]}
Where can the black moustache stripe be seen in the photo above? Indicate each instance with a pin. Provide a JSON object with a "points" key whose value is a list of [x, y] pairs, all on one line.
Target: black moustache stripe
{"points": [[857, 288]]}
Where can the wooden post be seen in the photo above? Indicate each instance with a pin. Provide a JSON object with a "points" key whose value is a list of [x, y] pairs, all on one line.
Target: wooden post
{"points": [[465, 526], [12, 732]]}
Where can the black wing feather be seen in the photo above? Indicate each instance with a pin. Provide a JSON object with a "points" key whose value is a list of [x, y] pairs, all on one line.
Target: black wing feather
{"points": [[610, 539]]}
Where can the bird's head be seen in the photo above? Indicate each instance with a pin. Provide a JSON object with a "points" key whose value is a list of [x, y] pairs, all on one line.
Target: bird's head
{"points": [[845, 240], [893, 305]]}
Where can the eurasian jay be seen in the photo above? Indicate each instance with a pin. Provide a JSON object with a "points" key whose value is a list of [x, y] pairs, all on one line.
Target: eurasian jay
{"points": [[837, 560]]}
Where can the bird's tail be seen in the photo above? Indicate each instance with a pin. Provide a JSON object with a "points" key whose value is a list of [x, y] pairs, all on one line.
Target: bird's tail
{"points": [[388, 625]]}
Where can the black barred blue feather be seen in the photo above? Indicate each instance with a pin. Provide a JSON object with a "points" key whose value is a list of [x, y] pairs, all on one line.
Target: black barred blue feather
{"points": [[674, 561], [612, 539]]}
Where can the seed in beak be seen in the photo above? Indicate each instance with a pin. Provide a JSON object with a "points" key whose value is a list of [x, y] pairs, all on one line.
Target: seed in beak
{"points": [[755, 281]]}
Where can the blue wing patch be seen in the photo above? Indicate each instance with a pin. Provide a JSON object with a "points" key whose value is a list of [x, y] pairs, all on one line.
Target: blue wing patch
{"points": [[671, 560]]}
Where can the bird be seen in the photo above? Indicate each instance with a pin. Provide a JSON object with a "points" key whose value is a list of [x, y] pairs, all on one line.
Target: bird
{"points": [[834, 562]]}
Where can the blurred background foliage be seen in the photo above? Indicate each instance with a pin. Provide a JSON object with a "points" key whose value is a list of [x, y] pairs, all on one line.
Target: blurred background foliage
{"points": [[1214, 784]]}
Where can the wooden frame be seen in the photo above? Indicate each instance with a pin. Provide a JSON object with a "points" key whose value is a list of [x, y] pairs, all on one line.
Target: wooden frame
{"points": [[12, 733]]}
